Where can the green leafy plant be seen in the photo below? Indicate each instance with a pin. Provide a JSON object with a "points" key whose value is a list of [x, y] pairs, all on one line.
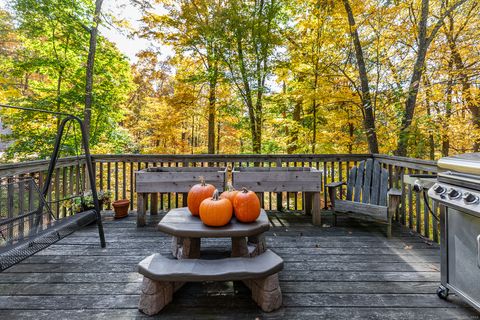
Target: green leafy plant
{"points": [[85, 200]]}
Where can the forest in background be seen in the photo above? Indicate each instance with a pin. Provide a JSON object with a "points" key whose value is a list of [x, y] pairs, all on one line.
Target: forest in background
{"points": [[257, 76]]}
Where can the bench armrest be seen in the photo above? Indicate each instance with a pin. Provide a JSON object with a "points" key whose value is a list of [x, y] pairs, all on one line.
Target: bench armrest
{"points": [[394, 192], [335, 184]]}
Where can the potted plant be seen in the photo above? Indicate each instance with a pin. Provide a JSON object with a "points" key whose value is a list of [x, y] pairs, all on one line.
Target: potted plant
{"points": [[84, 201], [121, 208]]}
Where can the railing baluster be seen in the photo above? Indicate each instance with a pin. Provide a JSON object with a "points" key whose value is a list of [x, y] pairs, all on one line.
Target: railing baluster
{"points": [[57, 193], [10, 206], [410, 203], [418, 211], [426, 217], [325, 172], [403, 210], [131, 186], [31, 199], [124, 181], [100, 164], [116, 180], [21, 202], [434, 222], [109, 179], [64, 190]]}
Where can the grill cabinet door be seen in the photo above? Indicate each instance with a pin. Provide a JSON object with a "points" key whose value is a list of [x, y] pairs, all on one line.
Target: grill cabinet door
{"points": [[463, 254]]}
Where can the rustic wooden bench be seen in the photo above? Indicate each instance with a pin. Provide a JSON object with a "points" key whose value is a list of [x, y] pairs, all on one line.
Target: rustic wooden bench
{"points": [[158, 180], [367, 195], [283, 179], [163, 276]]}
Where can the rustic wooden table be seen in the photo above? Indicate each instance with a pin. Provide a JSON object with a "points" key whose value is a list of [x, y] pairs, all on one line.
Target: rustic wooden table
{"points": [[188, 230], [250, 261]]}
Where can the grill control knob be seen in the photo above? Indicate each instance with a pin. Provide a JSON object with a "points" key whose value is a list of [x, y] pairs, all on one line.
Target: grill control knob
{"points": [[453, 194], [438, 189], [470, 198]]}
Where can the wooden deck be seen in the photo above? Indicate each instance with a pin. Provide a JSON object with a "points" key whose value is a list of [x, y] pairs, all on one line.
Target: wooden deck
{"points": [[347, 272]]}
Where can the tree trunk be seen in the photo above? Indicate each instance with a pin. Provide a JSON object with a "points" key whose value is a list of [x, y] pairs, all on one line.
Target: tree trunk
{"points": [[423, 43], [448, 110], [414, 81], [470, 100], [211, 116], [218, 137], [252, 110], [351, 131], [368, 114], [90, 65], [59, 93]]}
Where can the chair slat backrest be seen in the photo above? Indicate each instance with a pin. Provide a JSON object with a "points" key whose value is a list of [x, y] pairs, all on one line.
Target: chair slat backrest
{"points": [[368, 183], [351, 183], [383, 188], [359, 182], [376, 178]]}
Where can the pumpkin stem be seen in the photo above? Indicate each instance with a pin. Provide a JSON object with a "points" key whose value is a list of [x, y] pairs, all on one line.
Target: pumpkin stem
{"points": [[202, 181], [244, 190], [215, 195]]}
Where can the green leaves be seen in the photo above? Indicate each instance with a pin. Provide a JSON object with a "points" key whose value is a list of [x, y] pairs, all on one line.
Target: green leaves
{"points": [[46, 70]]}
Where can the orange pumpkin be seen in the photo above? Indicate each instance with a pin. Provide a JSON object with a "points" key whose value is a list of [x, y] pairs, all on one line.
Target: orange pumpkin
{"points": [[216, 212], [247, 206], [229, 194], [197, 194]]}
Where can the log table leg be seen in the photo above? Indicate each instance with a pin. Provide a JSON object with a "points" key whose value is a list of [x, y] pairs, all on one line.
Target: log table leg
{"points": [[239, 247], [257, 245], [141, 209], [253, 247], [266, 292], [186, 248]]}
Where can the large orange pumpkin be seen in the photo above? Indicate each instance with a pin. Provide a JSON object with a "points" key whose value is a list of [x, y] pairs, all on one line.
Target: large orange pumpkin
{"points": [[247, 206], [197, 194], [216, 212]]}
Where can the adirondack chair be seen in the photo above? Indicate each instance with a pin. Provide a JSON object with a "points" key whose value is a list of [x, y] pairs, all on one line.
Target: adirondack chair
{"points": [[367, 195]]}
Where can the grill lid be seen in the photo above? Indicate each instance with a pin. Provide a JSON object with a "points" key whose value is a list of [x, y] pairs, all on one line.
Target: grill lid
{"points": [[462, 163]]}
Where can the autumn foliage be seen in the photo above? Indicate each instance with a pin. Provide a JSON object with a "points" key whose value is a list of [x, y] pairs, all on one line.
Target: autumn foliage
{"points": [[273, 76]]}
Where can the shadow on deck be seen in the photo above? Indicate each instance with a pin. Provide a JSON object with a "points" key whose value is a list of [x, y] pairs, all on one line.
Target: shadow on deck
{"points": [[346, 272]]}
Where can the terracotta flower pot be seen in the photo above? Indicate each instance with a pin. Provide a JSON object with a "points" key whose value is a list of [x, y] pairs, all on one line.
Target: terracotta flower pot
{"points": [[121, 208]]}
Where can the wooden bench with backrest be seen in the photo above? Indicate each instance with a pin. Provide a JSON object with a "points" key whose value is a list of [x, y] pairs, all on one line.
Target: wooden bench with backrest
{"points": [[368, 195], [164, 275]]}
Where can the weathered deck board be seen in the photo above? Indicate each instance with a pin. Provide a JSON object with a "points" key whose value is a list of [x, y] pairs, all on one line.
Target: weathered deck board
{"points": [[351, 272]]}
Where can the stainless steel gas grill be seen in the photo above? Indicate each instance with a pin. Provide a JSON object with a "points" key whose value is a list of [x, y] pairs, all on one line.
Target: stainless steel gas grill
{"points": [[458, 193]]}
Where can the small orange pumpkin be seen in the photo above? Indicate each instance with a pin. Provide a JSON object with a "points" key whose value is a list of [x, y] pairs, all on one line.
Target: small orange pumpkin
{"points": [[216, 212], [247, 206], [197, 194], [229, 194]]}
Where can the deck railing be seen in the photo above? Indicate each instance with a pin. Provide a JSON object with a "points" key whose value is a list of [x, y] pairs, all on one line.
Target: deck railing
{"points": [[117, 173]]}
